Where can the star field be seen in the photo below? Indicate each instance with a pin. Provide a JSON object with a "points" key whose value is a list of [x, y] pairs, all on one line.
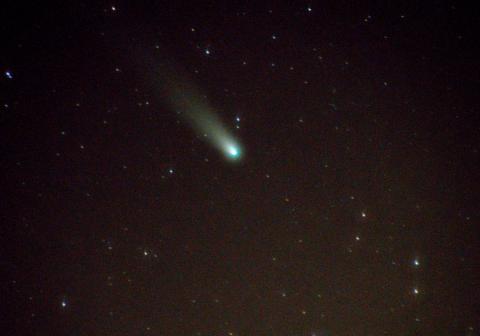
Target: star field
{"points": [[343, 199]]}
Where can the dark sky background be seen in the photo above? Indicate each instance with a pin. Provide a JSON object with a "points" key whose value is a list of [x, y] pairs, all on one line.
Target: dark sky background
{"points": [[354, 207]]}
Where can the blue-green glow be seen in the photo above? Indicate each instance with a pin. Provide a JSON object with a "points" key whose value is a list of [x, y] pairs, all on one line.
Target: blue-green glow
{"points": [[233, 151]]}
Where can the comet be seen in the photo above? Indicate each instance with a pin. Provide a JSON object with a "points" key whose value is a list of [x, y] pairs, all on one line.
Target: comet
{"points": [[185, 97]]}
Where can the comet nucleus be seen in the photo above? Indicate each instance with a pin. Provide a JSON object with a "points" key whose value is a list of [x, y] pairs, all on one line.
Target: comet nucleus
{"points": [[233, 151]]}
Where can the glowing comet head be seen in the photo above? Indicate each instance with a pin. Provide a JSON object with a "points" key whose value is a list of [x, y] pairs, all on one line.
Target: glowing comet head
{"points": [[233, 151]]}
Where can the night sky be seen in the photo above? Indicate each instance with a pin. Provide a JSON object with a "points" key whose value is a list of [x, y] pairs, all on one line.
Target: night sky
{"points": [[350, 207]]}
